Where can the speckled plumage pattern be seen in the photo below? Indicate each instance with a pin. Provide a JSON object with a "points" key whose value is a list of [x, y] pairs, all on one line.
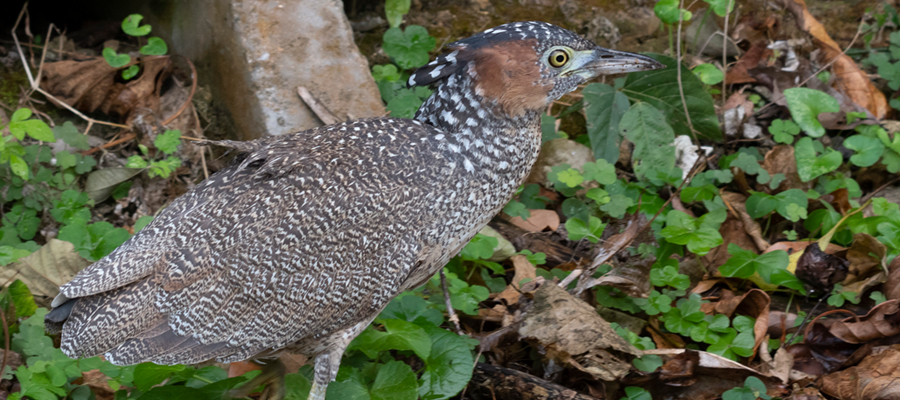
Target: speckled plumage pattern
{"points": [[301, 241]]}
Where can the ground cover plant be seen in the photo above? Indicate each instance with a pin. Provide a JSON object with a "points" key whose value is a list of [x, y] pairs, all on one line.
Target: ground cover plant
{"points": [[728, 227]]}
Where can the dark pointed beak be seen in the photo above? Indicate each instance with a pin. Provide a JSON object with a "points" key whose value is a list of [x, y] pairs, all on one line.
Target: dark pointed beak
{"points": [[607, 62]]}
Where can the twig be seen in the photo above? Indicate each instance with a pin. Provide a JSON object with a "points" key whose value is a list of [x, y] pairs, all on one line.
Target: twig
{"points": [[874, 192], [190, 96], [120, 140], [36, 87], [687, 115], [450, 313], [725, 53], [316, 106], [44, 53]]}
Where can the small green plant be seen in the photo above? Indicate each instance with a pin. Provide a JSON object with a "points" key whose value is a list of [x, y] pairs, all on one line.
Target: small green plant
{"points": [[167, 143], [409, 49], [753, 389], [155, 46]]}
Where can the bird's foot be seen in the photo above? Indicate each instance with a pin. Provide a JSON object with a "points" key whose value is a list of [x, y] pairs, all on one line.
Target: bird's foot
{"points": [[271, 376]]}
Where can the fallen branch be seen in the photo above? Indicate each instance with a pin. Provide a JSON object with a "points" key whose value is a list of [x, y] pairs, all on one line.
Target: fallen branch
{"points": [[317, 107]]}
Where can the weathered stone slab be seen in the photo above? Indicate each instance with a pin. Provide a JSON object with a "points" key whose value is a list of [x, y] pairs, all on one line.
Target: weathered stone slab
{"points": [[254, 54]]}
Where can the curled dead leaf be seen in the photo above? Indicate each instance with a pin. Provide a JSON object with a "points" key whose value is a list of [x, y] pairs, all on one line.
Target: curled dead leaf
{"points": [[92, 84], [882, 321], [877, 377]]}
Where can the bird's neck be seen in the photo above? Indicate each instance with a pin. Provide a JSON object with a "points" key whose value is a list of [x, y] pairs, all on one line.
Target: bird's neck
{"points": [[477, 125]]}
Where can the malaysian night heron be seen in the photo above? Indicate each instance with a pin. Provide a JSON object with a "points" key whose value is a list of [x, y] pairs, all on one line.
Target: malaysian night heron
{"points": [[304, 238]]}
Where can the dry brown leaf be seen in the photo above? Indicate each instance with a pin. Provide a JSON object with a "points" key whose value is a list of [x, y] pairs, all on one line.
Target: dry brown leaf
{"points": [[524, 269], [91, 84], [538, 221], [54, 264], [99, 384], [849, 79], [780, 160], [892, 285], [865, 254], [882, 321], [738, 73], [793, 247], [877, 377], [679, 370], [572, 333]]}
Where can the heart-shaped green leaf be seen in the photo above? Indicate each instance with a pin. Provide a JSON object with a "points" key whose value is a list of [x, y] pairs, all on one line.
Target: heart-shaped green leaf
{"points": [[130, 25], [155, 47], [806, 105], [130, 72], [114, 59]]}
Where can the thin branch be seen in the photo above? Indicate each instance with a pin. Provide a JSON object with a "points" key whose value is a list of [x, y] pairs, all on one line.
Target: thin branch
{"points": [[687, 115], [450, 313], [725, 52], [316, 106]]}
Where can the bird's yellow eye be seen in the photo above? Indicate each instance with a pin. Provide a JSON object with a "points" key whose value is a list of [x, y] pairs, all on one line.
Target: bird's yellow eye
{"points": [[558, 58]]}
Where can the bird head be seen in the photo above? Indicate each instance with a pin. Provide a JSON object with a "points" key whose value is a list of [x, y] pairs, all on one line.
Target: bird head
{"points": [[524, 66]]}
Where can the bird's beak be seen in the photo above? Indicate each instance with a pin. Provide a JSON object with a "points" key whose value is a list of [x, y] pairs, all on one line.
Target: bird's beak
{"points": [[600, 61]]}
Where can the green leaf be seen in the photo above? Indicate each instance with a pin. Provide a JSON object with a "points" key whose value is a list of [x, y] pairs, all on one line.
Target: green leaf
{"points": [[811, 165], [168, 141], [22, 299], [71, 208], [721, 7], [570, 177], [114, 59], [868, 150], [604, 106], [147, 375], [395, 380], [404, 104], [449, 367], [395, 10], [130, 25], [20, 115], [481, 247], [645, 126], [744, 323], [636, 393], [398, 335], [617, 206], [413, 309], [600, 171], [682, 229], [709, 74], [660, 89], [592, 230], [784, 131], [9, 255], [70, 135], [155, 47], [806, 105], [136, 161], [19, 166], [669, 13], [130, 72], [516, 209], [409, 48], [37, 129]]}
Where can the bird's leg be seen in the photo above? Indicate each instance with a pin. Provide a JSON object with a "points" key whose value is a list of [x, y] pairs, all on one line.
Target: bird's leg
{"points": [[272, 375], [326, 369]]}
